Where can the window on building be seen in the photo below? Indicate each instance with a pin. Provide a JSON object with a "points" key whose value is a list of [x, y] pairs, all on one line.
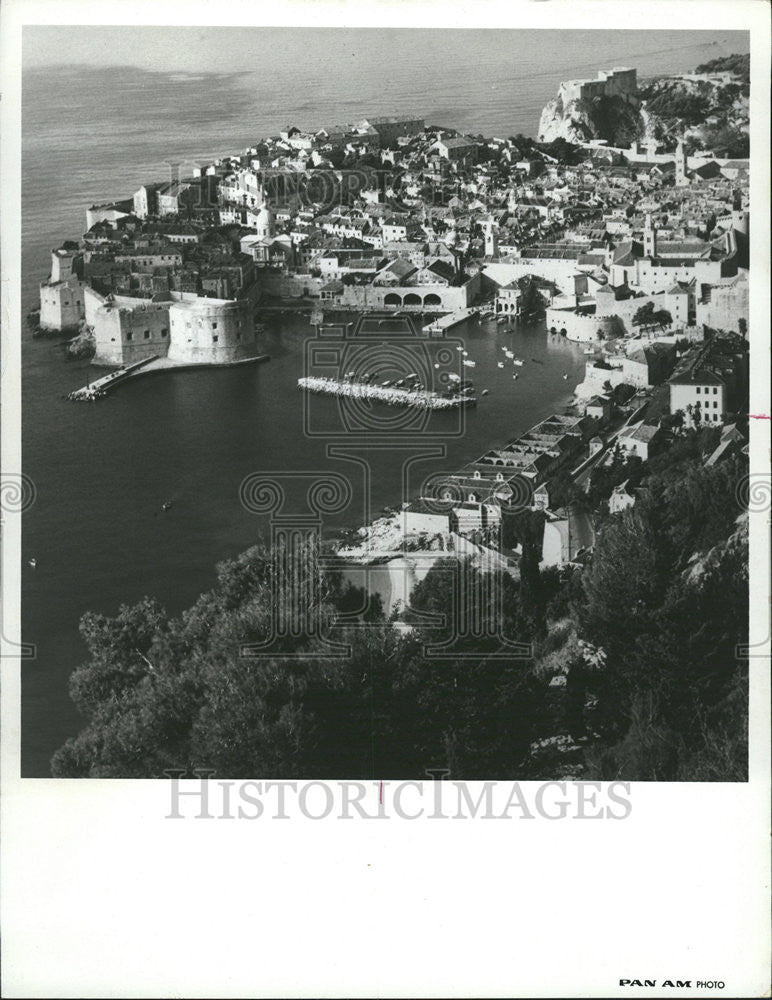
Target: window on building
{"points": [[147, 335], [699, 390], [715, 390], [215, 338], [164, 332], [129, 335], [214, 326]]}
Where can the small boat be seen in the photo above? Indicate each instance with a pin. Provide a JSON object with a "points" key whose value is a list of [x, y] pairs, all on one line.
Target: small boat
{"points": [[465, 353], [484, 392], [515, 375], [470, 364], [589, 350], [167, 505], [565, 377], [459, 347], [33, 562], [501, 320], [500, 364], [436, 365], [519, 362]]}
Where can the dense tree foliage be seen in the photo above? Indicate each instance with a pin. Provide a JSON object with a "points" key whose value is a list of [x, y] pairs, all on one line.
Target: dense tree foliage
{"points": [[644, 635], [736, 63]]}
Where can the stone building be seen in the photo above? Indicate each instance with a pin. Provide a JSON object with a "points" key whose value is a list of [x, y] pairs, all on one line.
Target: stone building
{"points": [[617, 82], [127, 329], [62, 295], [211, 331]]}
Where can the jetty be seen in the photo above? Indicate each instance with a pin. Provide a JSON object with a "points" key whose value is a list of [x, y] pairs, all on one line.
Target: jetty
{"points": [[439, 327], [101, 386], [148, 366], [392, 395]]}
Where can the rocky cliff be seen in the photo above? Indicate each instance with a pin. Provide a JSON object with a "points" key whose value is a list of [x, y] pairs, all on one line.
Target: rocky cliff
{"points": [[708, 111], [617, 121]]}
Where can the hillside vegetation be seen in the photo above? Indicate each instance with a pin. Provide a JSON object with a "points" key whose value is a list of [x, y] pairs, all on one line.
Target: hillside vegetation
{"points": [[643, 641]]}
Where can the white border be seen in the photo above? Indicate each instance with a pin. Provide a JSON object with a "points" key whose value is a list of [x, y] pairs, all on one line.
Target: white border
{"points": [[103, 897]]}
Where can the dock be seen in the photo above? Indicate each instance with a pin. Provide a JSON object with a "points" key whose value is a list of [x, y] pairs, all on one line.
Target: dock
{"points": [[439, 327]]}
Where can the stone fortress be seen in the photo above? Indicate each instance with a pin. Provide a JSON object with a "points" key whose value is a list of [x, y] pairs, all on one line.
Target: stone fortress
{"points": [[617, 82], [184, 327]]}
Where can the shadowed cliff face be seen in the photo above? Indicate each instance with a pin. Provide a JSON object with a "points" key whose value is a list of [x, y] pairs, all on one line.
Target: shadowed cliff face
{"points": [[609, 118]]}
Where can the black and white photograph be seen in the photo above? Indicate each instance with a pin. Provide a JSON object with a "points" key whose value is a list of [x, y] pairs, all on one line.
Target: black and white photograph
{"points": [[390, 416]]}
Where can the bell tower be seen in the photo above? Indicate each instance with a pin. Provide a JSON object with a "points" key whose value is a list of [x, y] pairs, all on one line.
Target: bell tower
{"points": [[649, 238], [680, 165]]}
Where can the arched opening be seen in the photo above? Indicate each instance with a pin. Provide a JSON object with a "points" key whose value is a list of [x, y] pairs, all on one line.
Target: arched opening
{"points": [[432, 300], [392, 299], [563, 332], [411, 299]]}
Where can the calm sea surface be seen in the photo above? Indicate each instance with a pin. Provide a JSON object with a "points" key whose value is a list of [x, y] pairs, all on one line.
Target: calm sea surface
{"points": [[93, 133]]}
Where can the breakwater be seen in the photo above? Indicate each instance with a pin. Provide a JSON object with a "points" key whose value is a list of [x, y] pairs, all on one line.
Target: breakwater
{"points": [[389, 394]]}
